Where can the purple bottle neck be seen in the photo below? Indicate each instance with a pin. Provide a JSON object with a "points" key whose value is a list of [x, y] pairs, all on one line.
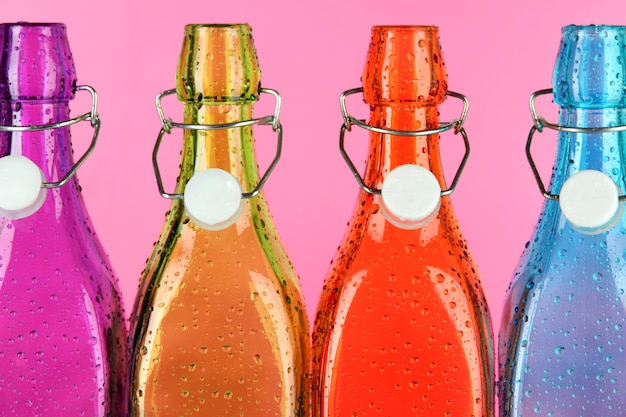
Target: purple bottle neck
{"points": [[37, 80]]}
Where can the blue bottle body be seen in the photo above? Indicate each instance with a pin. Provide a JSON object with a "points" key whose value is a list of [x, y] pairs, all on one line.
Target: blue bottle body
{"points": [[562, 344]]}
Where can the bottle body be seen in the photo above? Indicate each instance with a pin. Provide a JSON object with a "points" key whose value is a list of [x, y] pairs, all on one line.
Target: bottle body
{"points": [[561, 349], [63, 341], [219, 326], [402, 326]]}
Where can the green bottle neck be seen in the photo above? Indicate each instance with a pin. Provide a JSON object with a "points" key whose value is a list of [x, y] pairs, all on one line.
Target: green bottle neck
{"points": [[231, 150]]}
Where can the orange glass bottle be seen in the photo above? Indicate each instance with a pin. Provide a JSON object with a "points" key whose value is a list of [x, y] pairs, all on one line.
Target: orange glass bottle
{"points": [[219, 327], [402, 326]]}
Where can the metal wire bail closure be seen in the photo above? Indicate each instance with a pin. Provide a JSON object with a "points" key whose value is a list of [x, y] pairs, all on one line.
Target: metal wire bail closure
{"points": [[22, 182], [590, 201], [410, 194], [213, 197]]}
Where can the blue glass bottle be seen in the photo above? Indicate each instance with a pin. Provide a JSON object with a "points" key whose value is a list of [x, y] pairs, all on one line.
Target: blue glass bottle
{"points": [[562, 348]]}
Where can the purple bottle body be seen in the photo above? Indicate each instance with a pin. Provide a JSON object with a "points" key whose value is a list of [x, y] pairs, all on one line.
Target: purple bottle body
{"points": [[63, 337]]}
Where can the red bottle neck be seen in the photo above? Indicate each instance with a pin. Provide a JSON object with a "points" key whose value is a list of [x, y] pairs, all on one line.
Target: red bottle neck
{"points": [[387, 152]]}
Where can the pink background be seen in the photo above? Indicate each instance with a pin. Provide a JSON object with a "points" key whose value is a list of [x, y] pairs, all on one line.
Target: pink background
{"points": [[497, 53]]}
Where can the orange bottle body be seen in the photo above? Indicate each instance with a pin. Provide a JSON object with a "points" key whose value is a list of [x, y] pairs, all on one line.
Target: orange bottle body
{"points": [[220, 327]]}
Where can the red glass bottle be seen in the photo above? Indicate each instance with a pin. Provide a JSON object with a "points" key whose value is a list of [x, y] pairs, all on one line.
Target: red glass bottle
{"points": [[402, 327]]}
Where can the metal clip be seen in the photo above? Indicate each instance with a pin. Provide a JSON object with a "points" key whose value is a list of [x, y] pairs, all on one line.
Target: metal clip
{"points": [[92, 117], [349, 120], [539, 123], [168, 124]]}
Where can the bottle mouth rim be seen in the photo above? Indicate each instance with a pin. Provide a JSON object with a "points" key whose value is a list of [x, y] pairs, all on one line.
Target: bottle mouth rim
{"points": [[217, 27], [33, 24], [423, 28], [592, 28]]}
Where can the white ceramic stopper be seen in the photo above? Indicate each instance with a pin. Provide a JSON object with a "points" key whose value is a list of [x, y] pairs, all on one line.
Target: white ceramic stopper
{"points": [[213, 199], [21, 193], [589, 200], [411, 196]]}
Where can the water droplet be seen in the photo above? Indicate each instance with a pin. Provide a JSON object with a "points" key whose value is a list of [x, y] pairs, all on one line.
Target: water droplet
{"points": [[559, 349], [258, 360], [228, 395]]}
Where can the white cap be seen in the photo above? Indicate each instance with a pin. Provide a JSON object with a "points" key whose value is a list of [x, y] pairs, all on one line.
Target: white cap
{"points": [[589, 200], [213, 199], [411, 196], [21, 193]]}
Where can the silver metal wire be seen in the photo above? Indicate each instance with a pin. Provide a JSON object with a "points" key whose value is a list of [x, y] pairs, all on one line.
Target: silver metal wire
{"points": [[168, 124], [92, 117], [349, 120], [540, 122]]}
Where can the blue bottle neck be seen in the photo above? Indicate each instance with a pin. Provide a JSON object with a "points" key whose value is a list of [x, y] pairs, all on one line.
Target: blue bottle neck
{"points": [[605, 152]]}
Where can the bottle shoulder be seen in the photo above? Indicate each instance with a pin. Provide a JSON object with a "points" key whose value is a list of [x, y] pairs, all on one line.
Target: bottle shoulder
{"points": [[369, 231], [50, 240], [246, 252], [555, 244], [563, 271], [377, 257]]}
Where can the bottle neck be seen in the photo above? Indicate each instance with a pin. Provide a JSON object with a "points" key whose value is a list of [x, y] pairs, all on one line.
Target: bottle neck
{"points": [[49, 149], [605, 152], [387, 152], [231, 150]]}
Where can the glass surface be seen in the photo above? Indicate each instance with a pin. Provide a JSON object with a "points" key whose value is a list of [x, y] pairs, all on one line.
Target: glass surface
{"points": [[63, 340], [402, 327], [562, 348], [219, 325]]}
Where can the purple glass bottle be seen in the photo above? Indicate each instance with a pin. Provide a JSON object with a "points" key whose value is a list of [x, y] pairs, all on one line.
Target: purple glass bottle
{"points": [[63, 337]]}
